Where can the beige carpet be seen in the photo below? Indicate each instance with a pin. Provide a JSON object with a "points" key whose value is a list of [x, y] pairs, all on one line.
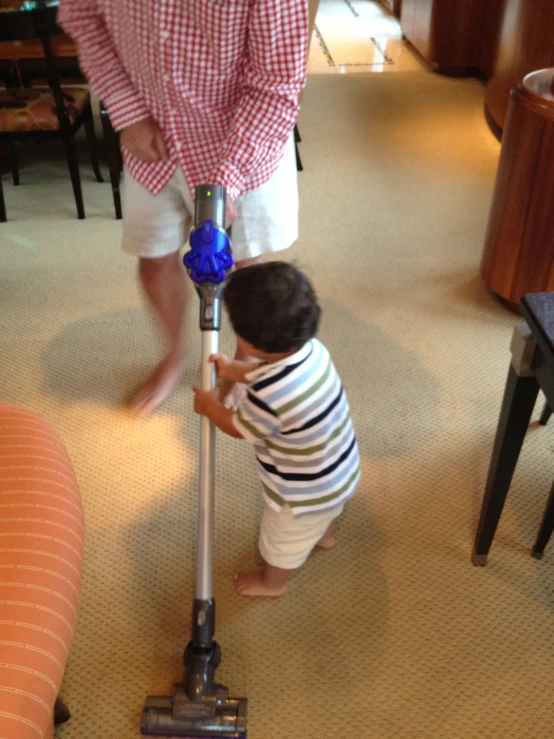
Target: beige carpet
{"points": [[395, 634]]}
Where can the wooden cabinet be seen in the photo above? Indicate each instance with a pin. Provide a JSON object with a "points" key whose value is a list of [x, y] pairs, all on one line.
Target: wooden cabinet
{"points": [[518, 257], [447, 33], [502, 39], [525, 44], [393, 6], [416, 20], [495, 12]]}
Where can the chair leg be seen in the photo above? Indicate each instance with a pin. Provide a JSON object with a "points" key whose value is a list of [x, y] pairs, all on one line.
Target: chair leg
{"points": [[545, 415], [3, 160], [15, 168], [73, 164], [91, 140], [24, 77], [297, 140], [519, 399], [3, 217], [114, 160], [546, 527], [299, 165]]}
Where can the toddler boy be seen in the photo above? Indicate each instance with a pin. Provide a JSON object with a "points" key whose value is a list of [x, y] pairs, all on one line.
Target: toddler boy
{"points": [[295, 413]]}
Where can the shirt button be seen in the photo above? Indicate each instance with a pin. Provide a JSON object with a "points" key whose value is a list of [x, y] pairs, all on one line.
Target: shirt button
{"points": [[164, 35], [166, 78], [178, 146]]}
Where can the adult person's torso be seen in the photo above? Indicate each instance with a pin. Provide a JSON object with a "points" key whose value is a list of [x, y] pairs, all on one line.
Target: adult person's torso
{"points": [[185, 57]]}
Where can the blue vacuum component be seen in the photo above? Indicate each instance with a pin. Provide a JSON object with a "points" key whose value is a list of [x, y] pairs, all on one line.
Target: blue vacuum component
{"points": [[209, 258]]}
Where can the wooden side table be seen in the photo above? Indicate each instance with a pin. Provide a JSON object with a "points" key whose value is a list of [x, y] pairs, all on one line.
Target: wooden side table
{"points": [[531, 370], [518, 256]]}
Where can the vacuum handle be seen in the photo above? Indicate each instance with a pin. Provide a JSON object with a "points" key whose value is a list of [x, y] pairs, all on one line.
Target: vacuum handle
{"points": [[210, 202], [205, 523], [208, 262]]}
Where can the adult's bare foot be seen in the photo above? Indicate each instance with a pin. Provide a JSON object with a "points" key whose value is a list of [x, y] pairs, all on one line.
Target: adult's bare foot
{"points": [[159, 386], [252, 584]]}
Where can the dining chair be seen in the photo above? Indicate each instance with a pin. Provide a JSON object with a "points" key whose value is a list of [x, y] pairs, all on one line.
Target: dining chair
{"points": [[47, 113]]}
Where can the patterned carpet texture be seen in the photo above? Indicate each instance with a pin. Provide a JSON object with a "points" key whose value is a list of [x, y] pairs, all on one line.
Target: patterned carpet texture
{"points": [[394, 634]]}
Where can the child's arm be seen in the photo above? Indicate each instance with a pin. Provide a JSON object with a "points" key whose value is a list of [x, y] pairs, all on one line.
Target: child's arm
{"points": [[208, 404], [232, 369]]}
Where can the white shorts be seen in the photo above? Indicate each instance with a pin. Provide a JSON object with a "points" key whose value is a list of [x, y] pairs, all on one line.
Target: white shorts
{"points": [[286, 540], [157, 225]]}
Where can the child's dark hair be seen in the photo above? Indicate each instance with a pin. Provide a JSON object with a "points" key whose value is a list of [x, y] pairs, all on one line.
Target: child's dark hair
{"points": [[272, 306]]}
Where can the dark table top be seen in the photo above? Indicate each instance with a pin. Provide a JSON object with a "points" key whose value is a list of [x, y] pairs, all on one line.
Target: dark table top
{"points": [[538, 311]]}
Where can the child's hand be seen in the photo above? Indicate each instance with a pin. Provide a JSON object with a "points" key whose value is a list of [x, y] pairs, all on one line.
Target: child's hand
{"points": [[222, 365], [204, 400]]}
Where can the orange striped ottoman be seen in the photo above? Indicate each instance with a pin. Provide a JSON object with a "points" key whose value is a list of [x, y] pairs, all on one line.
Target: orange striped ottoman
{"points": [[41, 552]]}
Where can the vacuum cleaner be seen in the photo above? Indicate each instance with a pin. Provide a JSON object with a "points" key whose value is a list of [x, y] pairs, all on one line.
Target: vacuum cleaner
{"points": [[198, 706]]}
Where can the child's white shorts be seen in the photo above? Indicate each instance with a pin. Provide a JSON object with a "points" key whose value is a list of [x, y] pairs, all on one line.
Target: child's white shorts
{"points": [[155, 226], [286, 541]]}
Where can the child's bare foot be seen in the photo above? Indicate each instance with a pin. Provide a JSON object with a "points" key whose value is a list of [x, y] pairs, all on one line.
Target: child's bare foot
{"points": [[328, 542], [252, 584]]}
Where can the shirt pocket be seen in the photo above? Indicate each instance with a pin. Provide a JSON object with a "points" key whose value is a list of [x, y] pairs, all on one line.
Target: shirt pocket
{"points": [[222, 26]]}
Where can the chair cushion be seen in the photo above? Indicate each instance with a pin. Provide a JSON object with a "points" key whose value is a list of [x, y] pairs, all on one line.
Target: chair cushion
{"points": [[26, 109]]}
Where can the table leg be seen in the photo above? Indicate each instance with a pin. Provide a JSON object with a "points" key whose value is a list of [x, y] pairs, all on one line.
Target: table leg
{"points": [[519, 400], [545, 416], [546, 528]]}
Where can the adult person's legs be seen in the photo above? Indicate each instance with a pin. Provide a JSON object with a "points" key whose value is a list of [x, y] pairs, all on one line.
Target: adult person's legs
{"points": [[154, 229], [163, 282]]}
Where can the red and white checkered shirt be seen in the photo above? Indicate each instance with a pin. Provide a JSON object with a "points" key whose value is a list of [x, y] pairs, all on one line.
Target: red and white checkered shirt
{"points": [[221, 78]]}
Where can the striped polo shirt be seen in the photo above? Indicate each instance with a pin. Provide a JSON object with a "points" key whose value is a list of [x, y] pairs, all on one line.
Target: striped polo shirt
{"points": [[297, 416]]}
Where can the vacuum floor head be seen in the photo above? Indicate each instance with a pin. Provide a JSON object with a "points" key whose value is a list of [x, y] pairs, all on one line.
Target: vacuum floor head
{"points": [[213, 716]]}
